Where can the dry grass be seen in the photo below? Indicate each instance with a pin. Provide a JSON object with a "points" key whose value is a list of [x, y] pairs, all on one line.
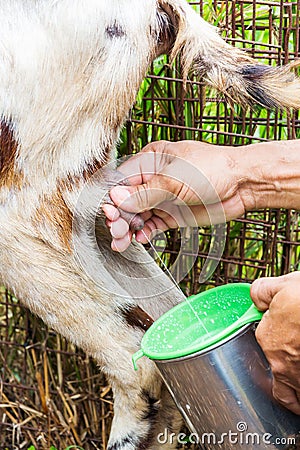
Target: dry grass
{"points": [[50, 392]]}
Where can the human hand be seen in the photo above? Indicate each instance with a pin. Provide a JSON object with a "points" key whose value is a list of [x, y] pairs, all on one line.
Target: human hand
{"points": [[177, 184], [188, 181], [279, 334]]}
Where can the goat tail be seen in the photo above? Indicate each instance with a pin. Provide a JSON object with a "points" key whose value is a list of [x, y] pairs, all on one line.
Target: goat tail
{"points": [[252, 83], [230, 70]]}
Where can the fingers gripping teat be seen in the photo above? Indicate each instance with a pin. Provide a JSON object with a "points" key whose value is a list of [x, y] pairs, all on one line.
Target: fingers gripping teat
{"points": [[116, 178]]}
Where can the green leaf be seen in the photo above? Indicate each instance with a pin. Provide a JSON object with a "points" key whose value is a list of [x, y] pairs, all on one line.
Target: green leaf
{"points": [[73, 446]]}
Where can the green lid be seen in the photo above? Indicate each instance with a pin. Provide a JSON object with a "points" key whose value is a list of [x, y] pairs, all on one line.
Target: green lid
{"points": [[199, 322]]}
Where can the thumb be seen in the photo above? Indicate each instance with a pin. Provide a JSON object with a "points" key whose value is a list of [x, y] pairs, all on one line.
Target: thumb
{"points": [[263, 290], [142, 197]]}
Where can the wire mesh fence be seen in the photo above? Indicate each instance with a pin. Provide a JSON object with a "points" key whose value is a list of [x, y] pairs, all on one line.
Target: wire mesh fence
{"points": [[263, 243], [50, 392]]}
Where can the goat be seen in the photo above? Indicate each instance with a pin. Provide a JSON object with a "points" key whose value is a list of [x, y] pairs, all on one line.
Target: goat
{"points": [[69, 74]]}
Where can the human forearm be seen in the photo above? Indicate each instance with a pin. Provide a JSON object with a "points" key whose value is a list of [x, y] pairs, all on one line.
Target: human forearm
{"points": [[270, 175]]}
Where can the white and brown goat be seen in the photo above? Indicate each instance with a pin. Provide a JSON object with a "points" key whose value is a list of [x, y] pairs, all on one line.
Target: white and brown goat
{"points": [[69, 74]]}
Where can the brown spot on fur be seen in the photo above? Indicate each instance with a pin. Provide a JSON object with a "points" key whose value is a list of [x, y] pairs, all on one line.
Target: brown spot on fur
{"points": [[168, 28], [137, 317], [8, 150], [54, 211], [92, 168], [115, 31]]}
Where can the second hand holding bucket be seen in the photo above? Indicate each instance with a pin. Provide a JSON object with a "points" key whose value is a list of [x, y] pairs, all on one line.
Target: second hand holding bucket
{"points": [[216, 371]]}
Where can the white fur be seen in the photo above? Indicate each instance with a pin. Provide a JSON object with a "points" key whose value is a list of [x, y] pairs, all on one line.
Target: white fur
{"points": [[61, 64]]}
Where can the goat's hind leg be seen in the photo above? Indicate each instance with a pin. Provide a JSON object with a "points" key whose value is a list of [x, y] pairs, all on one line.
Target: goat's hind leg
{"points": [[151, 290], [92, 316]]}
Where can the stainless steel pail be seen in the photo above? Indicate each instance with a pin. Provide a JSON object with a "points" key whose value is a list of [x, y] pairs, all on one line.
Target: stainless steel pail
{"points": [[224, 394]]}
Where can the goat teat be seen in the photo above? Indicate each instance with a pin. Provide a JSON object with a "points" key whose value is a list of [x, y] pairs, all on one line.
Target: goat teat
{"points": [[116, 178]]}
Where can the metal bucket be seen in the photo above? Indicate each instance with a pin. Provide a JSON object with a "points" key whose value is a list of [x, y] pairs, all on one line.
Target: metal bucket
{"points": [[217, 373], [224, 394]]}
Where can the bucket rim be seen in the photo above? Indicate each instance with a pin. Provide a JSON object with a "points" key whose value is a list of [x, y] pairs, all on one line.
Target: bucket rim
{"points": [[238, 333], [242, 289]]}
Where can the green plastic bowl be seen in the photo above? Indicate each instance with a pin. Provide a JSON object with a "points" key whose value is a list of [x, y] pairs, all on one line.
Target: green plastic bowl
{"points": [[199, 322]]}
